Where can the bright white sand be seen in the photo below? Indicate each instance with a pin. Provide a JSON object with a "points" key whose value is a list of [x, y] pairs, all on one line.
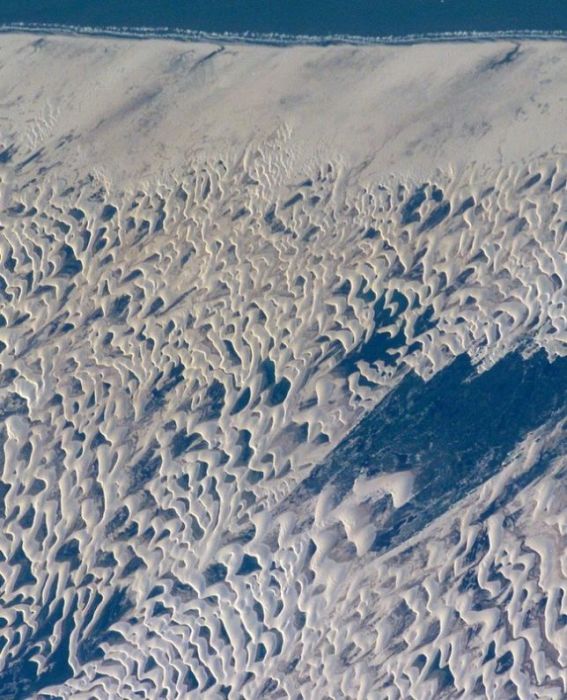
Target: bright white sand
{"points": [[191, 215], [134, 107]]}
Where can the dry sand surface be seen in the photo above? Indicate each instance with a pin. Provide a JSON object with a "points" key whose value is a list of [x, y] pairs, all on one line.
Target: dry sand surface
{"points": [[195, 244], [133, 107]]}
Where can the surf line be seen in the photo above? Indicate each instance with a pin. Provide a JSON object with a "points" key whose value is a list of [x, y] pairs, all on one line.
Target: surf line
{"points": [[277, 39]]}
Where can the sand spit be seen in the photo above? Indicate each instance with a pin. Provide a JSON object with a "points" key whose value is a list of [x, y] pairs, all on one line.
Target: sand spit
{"points": [[214, 262]]}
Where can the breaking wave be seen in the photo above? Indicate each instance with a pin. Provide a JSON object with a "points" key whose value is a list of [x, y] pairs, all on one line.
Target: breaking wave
{"points": [[279, 39]]}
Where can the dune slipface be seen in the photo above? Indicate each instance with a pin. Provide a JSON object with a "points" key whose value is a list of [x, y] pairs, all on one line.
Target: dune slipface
{"points": [[283, 375]]}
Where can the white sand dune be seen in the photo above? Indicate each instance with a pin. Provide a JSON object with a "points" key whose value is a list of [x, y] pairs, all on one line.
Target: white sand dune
{"points": [[193, 243]]}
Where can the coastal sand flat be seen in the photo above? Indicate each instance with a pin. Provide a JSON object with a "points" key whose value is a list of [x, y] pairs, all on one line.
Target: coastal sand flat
{"points": [[388, 109]]}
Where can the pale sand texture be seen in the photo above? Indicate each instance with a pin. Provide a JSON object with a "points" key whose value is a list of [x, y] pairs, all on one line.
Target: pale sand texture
{"points": [[191, 254], [134, 107]]}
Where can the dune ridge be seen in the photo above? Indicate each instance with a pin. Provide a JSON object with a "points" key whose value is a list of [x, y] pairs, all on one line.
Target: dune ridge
{"points": [[194, 314]]}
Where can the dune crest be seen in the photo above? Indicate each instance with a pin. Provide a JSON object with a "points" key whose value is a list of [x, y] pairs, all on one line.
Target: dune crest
{"points": [[191, 324]]}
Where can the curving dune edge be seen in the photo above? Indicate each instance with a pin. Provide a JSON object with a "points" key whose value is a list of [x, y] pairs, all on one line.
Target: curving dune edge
{"points": [[221, 270]]}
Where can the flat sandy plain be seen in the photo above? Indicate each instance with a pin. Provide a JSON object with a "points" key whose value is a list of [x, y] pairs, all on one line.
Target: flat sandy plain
{"points": [[133, 107], [199, 246]]}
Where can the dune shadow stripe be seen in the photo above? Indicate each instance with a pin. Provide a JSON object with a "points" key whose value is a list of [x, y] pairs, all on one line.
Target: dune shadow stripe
{"points": [[453, 432]]}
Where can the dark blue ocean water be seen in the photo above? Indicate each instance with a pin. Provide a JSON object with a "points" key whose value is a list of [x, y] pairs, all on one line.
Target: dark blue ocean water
{"points": [[287, 20]]}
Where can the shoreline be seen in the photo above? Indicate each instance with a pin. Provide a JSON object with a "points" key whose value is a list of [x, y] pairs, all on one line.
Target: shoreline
{"points": [[280, 40]]}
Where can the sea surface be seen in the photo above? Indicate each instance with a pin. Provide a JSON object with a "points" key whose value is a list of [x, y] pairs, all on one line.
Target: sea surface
{"points": [[292, 21]]}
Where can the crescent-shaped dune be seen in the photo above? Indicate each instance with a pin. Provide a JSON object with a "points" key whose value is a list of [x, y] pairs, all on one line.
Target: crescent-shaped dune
{"points": [[282, 370]]}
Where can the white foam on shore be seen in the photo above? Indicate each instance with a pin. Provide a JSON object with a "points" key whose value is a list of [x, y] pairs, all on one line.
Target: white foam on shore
{"points": [[279, 38]]}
